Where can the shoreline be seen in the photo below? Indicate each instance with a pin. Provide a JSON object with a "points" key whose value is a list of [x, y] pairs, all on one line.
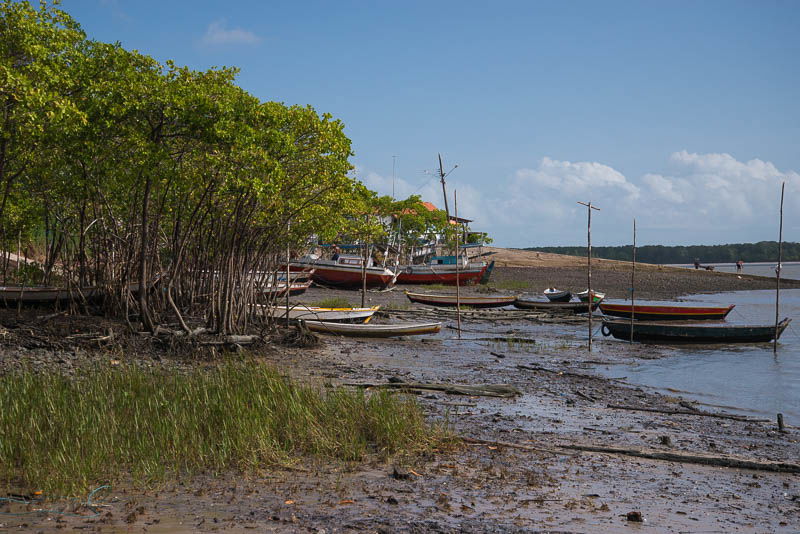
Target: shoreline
{"points": [[491, 487]]}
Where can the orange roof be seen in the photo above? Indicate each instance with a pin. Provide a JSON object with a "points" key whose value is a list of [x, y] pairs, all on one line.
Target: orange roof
{"points": [[430, 206]]}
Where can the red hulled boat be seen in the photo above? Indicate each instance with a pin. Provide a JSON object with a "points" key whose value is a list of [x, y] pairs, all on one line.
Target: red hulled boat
{"points": [[665, 312], [345, 271], [437, 272]]}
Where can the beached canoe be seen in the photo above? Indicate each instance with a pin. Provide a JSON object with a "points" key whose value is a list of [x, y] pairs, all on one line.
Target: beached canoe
{"points": [[554, 307], [299, 311], [646, 312], [556, 295], [449, 299], [373, 330], [672, 332]]}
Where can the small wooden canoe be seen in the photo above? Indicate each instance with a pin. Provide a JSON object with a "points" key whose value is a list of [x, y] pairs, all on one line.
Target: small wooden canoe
{"points": [[672, 332], [583, 296], [554, 307], [474, 301], [666, 312], [374, 330], [300, 311], [556, 295]]}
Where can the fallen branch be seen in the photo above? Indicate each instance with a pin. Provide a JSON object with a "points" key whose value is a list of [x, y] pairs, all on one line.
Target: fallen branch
{"points": [[565, 373], [477, 441], [721, 461], [485, 390], [688, 412]]}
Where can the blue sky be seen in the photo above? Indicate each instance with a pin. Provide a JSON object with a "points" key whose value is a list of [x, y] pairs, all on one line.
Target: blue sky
{"points": [[683, 115]]}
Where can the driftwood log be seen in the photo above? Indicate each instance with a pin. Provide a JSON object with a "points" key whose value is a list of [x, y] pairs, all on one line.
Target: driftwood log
{"points": [[483, 390], [653, 454], [689, 412]]}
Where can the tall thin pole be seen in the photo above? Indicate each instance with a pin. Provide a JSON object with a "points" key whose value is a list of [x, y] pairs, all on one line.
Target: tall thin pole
{"points": [[288, 269], [393, 167], [458, 260], [444, 191], [633, 278], [778, 274], [589, 209]]}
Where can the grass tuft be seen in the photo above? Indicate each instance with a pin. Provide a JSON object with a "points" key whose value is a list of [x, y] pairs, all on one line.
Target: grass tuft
{"points": [[334, 302], [66, 434]]}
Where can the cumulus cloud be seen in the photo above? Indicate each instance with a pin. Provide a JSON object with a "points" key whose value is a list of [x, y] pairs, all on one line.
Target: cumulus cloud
{"points": [[702, 199], [218, 33], [717, 186]]}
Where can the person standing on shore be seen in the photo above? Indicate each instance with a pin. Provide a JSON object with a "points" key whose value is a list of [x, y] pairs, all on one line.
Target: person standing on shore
{"points": [[739, 266], [697, 263]]}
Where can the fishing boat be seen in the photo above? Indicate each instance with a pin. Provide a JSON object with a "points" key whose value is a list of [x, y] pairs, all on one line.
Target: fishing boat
{"points": [[556, 295], [345, 271], [301, 311], [36, 295], [554, 307], [671, 332], [373, 330], [47, 295], [474, 301], [443, 270], [665, 312], [583, 296], [278, 289]]}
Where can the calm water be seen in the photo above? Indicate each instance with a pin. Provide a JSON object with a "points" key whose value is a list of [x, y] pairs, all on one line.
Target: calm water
{"points": [[791, 269], [746, 377]]}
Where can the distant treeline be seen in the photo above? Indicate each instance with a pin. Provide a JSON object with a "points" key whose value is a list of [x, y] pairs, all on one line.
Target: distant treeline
{"points": [[658, 254]]}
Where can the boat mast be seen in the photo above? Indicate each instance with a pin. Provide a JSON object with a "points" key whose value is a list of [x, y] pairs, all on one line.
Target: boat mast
{"points": [[778, 273], [589, 209], [444, 190]]}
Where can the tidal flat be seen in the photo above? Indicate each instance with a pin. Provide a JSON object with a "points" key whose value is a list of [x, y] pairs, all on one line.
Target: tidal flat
{"points": [[556, 458]]}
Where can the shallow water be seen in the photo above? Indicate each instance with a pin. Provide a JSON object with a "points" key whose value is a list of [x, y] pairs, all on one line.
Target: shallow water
{"points": [[748, 378], [790, 270]]}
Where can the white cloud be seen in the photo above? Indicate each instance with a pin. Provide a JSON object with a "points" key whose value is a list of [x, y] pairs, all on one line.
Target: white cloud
{"points": [[706, 189], [703, 199], [218, 33]]}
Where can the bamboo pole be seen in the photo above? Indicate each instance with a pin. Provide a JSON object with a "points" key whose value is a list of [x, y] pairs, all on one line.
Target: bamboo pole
{"points": [[778, 273], [288, 270], [458, 260], [589, 209], [633, 278]]}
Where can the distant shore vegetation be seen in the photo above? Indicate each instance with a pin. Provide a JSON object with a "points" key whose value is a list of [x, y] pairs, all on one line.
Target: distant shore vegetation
{"points": [[763, 251]]}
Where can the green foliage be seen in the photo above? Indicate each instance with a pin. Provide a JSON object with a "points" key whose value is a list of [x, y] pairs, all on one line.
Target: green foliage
{"points": [[749, 252], [67, 434]]}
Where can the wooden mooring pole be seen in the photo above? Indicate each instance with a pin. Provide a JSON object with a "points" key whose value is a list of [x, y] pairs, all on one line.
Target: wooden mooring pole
{"points": [[633, 277], [458, 259], [589, 209], [778, 274]]}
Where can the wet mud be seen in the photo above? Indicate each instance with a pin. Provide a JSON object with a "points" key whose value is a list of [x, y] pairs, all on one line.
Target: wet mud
{"points": [[517, 477]]}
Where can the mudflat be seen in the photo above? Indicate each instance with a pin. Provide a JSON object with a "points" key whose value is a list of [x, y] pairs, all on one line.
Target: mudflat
{"points": [[575, 452]]}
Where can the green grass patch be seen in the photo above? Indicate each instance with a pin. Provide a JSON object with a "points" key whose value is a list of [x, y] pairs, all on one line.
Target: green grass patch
{"points": [[66, 434], [334, 302]]}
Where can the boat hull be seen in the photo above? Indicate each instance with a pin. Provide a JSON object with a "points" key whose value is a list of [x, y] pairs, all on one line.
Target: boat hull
{"points": [[350, 315], [425, 274], [666, 313], [328, 273], [674, 333], [554, 307], [558, 296], [373, 330], [583, 296], [471, 300]]}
